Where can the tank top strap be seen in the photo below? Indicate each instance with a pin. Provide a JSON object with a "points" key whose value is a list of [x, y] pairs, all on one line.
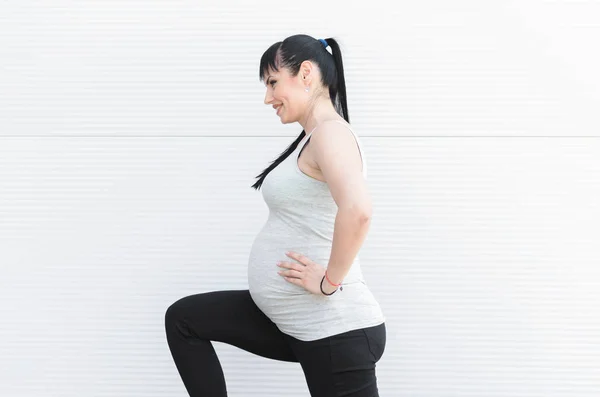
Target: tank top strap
{"points": [[305, 139], [358, 143]]}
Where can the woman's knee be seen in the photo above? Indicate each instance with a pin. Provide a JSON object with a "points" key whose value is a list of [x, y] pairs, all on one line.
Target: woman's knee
{"points": [[181, 312], [171, 313], [190, 315], [174, 314]]}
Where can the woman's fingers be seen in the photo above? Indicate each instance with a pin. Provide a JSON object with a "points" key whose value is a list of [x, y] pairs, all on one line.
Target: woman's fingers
{"points": [[291, 265], [290, 273]]}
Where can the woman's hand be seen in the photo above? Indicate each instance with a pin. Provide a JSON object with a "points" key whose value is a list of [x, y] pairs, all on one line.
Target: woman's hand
{"points": [[307, 274]]}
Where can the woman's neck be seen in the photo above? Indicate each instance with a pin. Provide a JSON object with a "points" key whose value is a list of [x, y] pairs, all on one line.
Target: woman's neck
{"points": [[321, 111]]}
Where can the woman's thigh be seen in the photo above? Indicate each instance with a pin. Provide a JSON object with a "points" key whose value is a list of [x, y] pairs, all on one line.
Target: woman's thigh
{"points": [[231, 317], [343, 364]]}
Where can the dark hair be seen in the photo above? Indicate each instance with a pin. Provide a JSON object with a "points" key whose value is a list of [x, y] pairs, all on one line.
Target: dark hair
{"points": [[289, 54]]}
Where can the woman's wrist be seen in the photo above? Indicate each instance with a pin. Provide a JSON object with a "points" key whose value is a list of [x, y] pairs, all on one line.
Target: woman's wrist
{"points": [[330, 281], [327, 288], [334, 276]]}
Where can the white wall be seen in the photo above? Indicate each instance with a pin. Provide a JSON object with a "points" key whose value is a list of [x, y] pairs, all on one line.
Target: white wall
{"points": [[130, 132]]}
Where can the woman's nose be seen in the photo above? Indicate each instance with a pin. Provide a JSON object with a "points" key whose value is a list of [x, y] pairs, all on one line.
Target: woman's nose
{"points": [[268, 98]]}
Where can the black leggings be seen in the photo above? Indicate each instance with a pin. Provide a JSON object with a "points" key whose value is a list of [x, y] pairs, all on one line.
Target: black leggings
{"points": [[340, 365]]}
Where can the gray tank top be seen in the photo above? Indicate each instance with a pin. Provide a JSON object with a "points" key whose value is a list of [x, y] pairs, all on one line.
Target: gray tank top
{"points": [[301, 219]]}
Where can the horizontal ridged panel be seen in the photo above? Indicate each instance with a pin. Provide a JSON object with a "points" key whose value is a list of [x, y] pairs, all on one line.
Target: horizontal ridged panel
{"points": [[482, 252], [191, 68]]}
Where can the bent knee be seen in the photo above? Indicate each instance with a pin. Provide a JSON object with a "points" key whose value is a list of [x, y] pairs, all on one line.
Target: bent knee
{"points": [[175, 312], [196, 308]]}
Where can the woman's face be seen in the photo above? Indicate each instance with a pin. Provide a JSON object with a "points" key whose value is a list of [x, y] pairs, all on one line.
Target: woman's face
{"points": [[286, 94]]}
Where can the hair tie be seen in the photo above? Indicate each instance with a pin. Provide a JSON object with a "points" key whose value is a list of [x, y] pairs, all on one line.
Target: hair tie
{"points": [[324, 42]]}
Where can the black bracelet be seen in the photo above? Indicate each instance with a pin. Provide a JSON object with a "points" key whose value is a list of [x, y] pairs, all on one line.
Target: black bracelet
{"points": [[321, 285]]}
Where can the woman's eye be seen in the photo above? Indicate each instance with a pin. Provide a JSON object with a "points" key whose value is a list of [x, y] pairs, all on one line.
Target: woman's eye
{"points": [[273, 83]]}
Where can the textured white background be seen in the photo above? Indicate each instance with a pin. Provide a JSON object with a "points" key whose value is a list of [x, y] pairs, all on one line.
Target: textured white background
{"points": [[130, 132]]}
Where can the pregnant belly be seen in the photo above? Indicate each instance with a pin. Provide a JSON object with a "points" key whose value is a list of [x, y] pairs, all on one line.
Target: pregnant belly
{"points": [[271, 292], [283, 302]]}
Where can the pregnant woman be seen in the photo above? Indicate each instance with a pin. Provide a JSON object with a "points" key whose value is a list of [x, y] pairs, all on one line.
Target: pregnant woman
{"points": [[307, 300]]}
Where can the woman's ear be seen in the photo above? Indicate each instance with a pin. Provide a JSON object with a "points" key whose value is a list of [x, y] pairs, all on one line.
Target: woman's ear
{"points": [[306, 69]]}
